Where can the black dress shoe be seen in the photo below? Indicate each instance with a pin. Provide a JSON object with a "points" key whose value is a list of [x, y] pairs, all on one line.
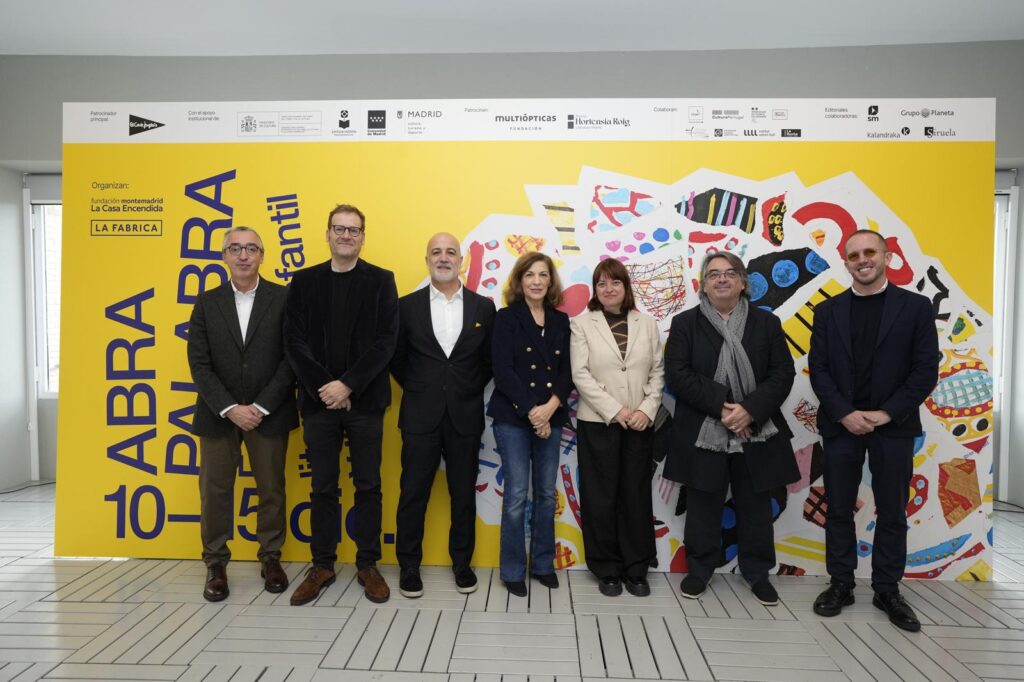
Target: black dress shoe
{"points": [[216, 588], [548, 580], [610, 586], [900, 613], [637, 587], [516, 587], [831, 601]]}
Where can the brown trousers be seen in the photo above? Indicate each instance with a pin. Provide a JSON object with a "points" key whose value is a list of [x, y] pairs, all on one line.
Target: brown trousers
{"points": [[219, 461]]}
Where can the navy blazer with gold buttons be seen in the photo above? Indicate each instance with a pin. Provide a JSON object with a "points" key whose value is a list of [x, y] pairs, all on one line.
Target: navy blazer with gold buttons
{"points": [[529, 367]]}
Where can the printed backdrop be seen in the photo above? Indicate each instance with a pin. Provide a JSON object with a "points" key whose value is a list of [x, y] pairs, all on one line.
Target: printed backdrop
{"points": [[150, 189]]}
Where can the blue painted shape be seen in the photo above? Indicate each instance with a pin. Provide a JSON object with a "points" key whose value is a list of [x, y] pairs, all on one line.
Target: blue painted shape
{"points": [[728, 518], [815, 264], [871, 525], [941, 551], [646, 248], [785, 273], [919, 443], [661, 234], [731, 551], [758, 286], [864, 548], [581, 274]]}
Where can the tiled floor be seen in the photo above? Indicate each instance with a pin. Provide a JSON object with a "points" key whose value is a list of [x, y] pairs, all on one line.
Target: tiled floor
{"points": [[146, 620]]}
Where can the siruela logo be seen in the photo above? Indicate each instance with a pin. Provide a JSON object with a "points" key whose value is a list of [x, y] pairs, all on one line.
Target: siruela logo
{"points": [[137, 124], [873, 113]]}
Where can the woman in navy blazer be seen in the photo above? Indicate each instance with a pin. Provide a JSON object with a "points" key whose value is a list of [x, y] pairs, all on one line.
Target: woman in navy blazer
{"points": [[532, 382]]}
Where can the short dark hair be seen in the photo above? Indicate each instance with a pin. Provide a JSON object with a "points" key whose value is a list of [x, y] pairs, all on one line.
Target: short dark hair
{"points": [[612, 269], [885, 247], [514, 284], [346, 208], [734, 262]]}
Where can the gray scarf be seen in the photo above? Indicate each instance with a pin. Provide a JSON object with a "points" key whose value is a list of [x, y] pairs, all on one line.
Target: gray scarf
{"points": [[735, 372]]}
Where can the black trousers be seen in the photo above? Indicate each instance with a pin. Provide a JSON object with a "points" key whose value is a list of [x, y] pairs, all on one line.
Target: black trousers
{"points": [[615, 498], [325, 432], [702, 532], [891, 462], [421, 455]]}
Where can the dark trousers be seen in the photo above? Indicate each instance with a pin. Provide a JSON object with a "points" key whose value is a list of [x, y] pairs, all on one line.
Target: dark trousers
{"points": [[324, 433], [615, 498], [891, 462], [421, 455], [702, 533], [219, 460]]}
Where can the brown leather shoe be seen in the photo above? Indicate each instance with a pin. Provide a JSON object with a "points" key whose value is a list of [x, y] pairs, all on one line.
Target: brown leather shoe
{"points": [[216, 588], [274, 578], [317, 579], [374, 587]]}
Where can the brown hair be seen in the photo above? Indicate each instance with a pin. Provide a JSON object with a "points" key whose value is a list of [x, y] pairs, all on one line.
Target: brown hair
{"points": [[346, 208], [514, 283], [612, 269], [734, 262]]}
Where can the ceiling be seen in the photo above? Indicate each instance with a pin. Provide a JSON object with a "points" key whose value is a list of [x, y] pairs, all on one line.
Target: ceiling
{"points": [[306, 27]]}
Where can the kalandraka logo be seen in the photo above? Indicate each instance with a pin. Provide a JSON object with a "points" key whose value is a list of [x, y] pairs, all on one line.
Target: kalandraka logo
{"points": [[137, 124]]}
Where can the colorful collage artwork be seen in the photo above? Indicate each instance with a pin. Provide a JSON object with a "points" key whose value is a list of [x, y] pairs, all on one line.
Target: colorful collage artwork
{"points": [[791, 237]]}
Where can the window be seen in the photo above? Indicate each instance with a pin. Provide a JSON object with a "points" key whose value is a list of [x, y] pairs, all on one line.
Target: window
{"points": [[47, 220]]}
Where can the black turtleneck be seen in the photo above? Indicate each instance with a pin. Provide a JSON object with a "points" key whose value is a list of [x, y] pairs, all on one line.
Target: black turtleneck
{"points": [[865, 319]]}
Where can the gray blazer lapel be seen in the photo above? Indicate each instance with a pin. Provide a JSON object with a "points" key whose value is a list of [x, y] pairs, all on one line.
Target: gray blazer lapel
{"points": [[226, 303]]}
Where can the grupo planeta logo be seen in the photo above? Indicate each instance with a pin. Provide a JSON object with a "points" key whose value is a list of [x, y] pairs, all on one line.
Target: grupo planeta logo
{"points": [[138, 124]]}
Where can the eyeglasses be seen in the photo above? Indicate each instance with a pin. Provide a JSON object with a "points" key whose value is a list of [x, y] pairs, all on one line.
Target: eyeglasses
{"points": [[251, 249], [855, 256], [715, 275], [342, 229]]}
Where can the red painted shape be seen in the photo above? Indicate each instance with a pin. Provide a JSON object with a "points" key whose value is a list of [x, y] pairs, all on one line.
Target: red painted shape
{"points": [[575, 299], [476, 265]]}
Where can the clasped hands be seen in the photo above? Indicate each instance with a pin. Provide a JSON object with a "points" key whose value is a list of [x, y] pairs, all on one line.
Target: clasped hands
{"points": [[245, 417], [860, 422], [736, 418], [336, 395], [540, 417], [632, 419]]}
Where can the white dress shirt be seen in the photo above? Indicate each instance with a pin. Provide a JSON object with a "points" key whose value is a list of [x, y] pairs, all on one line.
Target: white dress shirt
{"points": [[446, 317], [243, 306]]}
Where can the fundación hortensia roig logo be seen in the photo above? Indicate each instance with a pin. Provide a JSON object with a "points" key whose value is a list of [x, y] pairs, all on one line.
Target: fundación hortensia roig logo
{"points": [[137, 124]]}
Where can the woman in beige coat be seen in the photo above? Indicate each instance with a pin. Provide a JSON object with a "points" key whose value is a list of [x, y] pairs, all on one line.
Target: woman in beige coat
{"points": [[618, 371]]}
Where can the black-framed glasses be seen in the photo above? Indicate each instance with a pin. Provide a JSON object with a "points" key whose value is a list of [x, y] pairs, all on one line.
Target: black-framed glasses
{"points": [[715, 275], [342, 229], [251, 249]]}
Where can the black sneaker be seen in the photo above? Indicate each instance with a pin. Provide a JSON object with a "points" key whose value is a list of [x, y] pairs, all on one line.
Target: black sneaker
{"points": [[465, 580], [409, 583], [516, 587], [765, 592], [548, 580], [637, 587], [692, 587], [832, 600], [610, 587]]}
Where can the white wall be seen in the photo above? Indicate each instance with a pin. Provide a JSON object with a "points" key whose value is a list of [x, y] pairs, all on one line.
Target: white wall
{"points": [[14, 452], [32, 90]]}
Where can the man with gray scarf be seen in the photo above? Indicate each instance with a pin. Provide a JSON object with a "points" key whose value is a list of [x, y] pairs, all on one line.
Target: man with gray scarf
{"points": [[730, 370]]}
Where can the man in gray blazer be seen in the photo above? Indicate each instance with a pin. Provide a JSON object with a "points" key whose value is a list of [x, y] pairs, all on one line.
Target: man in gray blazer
{"points": [[246, 394]]}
